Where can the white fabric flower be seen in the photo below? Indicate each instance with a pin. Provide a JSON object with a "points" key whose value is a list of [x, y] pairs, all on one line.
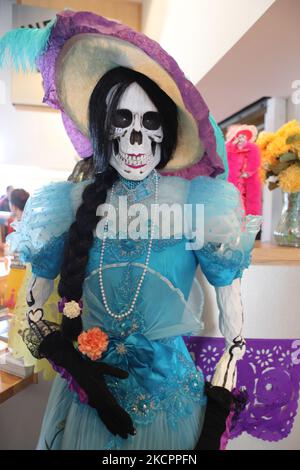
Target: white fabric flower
{"points": [[72, 309]]}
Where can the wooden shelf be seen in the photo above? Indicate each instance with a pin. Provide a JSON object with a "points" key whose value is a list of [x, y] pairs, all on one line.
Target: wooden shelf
{"points": [[270, 254], [10, 384]]}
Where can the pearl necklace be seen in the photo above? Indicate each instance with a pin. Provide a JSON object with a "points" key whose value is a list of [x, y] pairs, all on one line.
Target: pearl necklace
{"points": [[120, 316]]}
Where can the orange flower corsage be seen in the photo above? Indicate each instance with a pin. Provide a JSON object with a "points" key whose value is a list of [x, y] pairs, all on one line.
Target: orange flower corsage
{"points": [[93, 343]]}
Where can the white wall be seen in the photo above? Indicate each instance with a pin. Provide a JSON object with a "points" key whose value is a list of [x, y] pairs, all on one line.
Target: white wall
{"points": [[35, 138], [197, 33], [249, 70]]}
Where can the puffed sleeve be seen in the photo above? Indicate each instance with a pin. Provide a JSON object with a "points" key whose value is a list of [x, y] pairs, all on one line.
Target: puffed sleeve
{"points": [[229, 235], [39, 237]]}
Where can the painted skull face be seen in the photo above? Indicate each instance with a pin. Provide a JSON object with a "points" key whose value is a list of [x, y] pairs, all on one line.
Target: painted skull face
{"points": [[136, 134]]}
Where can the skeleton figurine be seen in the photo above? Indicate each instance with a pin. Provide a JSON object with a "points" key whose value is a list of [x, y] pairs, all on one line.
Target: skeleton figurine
{"points": [[136, 136], [125, 378]]}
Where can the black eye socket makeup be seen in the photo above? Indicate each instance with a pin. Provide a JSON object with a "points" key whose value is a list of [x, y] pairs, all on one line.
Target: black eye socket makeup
{"points": [[123, 118], [151, 120]]}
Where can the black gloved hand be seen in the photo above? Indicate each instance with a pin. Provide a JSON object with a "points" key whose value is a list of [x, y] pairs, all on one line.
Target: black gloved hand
{"points": [[90, 377], [219, 405]]}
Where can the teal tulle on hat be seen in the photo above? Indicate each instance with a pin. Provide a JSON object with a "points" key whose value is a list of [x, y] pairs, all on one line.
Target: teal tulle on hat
{"points": [[20, 48]]}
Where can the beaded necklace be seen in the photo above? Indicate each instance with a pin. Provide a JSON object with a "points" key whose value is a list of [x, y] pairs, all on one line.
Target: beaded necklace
{"points": [[141, 280]]}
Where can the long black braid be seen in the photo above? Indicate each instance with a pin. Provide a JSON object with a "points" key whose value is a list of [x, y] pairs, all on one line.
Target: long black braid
{"points": [[80, 237], [102, 105], [78, 244]]}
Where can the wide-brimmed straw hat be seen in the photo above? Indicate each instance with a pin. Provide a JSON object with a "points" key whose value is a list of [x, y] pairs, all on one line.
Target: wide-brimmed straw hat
{"points": [[250, 132], [78, 48]]}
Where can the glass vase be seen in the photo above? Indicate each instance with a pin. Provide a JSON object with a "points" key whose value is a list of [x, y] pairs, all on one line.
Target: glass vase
{"points": [[287, 232]]}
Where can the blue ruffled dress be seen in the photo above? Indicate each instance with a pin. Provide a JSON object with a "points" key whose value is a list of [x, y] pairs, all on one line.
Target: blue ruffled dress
{"points": [[164, 391]]}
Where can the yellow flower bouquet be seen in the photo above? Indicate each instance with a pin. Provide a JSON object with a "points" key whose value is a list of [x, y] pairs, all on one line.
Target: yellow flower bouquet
{"points": [[280, 153], [280, 156]]}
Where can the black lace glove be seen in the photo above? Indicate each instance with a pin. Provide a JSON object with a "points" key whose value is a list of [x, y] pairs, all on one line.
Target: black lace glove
{"points": [[44, 340]]}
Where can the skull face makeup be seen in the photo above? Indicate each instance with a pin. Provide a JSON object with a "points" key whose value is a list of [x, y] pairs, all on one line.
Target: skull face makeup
{"points": [[136, 134]]}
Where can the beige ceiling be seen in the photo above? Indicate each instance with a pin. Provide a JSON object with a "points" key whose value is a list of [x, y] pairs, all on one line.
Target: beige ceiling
{"points": [[127, 11], [264, 62]]}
